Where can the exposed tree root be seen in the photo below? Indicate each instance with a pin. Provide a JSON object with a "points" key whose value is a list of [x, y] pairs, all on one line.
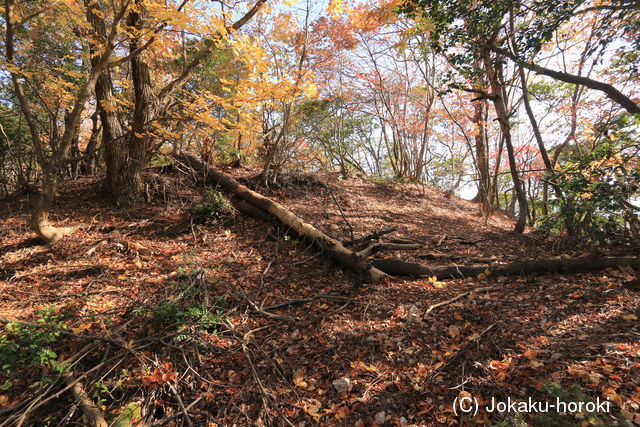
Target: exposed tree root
{"points": [[47, 232]]}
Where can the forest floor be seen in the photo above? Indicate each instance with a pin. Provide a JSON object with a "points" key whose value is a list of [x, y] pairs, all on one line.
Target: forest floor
{"points": [[162, 321]]}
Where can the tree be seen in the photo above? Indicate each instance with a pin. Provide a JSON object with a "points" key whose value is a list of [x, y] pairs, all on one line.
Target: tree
{"points": [[473, 29], [16, 156], [30, 20], [129, 148]]}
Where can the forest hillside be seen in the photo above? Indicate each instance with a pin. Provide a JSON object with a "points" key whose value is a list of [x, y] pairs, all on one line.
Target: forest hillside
{"points": [[243, 322], [319, 212]]}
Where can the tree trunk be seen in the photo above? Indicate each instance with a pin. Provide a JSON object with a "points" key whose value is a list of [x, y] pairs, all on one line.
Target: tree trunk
{"points": [[126, 153], [129, 157], [40, 217], [501, 112], [482, 160], [90, 161]]}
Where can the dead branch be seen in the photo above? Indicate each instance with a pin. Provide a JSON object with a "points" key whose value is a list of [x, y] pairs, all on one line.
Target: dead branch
{"points": [[185, 412], [372, 236], [456, 298], [89, 409], [376, 247], [344, 218], [309, 299], [407, 241], [473, 341], [264, 312]]}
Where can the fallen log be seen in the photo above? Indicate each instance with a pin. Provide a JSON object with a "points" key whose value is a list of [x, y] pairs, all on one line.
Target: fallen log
{"points": [[454, 257], [593, 262], [328, 245]]}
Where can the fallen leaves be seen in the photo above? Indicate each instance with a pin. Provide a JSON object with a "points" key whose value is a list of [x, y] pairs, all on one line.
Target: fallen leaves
{"points": [[299, 378], [160, 375], [567, 329], [312, 407]]}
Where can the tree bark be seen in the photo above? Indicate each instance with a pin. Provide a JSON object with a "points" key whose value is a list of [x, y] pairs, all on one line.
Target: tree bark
{"points": [[501, 112], [482, 160], [394, 266], [90, 161]]}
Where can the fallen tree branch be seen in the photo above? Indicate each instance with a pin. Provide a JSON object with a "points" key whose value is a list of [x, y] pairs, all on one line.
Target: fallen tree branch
{"points": [[407, 241], [372, 236], [456, 298], [89, 409], [371, 249], [185, 412], [394, 266], [264, 312], [309, 299], [334, 248], [473, 341]]}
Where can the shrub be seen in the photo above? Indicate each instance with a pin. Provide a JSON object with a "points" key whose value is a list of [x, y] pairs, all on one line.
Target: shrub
{"points": [[597, 188], [26, 346], [213, 205]]}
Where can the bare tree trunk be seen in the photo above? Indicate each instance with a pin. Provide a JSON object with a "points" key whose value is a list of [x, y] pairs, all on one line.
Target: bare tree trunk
{"points": [[90, 161], [73, 167], [501, 112], [482, 160]]}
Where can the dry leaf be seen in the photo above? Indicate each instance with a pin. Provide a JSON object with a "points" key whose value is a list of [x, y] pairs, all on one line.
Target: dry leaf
{"points": [[298, 378]]}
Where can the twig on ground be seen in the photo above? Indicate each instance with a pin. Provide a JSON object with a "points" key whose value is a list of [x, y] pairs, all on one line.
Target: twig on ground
{"points": [[456, 298], [344, 218], [185, 412], [372, 236], [309, 299], [371, 249], [264, 312], [263, 392], [473, 341]]}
